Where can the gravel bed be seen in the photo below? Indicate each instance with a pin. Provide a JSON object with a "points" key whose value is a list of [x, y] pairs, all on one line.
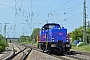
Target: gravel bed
{"points": [[6, 53], [36, 55]]}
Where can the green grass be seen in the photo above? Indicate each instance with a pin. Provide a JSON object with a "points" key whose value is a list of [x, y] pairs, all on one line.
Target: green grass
{"points": [[81, 47]]}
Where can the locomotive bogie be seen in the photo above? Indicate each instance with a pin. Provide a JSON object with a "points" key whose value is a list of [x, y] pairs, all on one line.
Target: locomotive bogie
{"points": [[55, 47]]}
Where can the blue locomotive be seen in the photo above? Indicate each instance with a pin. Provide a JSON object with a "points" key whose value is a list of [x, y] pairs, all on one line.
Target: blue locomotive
{"points": [[53, 37]]}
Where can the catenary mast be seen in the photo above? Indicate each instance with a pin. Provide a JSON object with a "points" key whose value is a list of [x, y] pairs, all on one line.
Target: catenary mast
{"points": [[84, 22]]}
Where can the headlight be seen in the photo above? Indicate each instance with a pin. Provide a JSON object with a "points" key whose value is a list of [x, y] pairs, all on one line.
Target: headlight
{"points": [[52, 39], [67, 40]]}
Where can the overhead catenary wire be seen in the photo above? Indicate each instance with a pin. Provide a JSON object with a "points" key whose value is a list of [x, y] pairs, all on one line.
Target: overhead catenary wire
{"points": [[74, 15], [18, 9], [38, 13], [61, 6], [16, 12], [48, 6], [45, 8], [7, 5], [77, 7], [73, 6], [46, 17], [57, 8], [48, 13], [67, 17], [69, 8]]}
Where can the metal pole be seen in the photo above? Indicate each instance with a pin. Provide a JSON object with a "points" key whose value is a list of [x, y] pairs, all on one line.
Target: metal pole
{"points": [[1, 28], [5, 32], [84, 23]]}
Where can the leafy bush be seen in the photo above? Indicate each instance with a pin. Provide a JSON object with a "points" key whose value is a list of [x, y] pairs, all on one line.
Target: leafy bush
{"points": [[1, 48], [82, 44], [3, 44], [81, 47], [73, 45]]}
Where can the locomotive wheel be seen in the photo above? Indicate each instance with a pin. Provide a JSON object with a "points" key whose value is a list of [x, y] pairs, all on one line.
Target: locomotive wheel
{"points": [[39, 46], [49, 51], [73, 53], [43, 49]]}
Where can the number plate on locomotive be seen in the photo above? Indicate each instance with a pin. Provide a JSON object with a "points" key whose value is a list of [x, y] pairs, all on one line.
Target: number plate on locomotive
{"points": [[67, 45], [53, 45]]}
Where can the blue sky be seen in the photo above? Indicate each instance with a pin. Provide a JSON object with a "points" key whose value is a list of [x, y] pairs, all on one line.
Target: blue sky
{"points": [[17, 13]]}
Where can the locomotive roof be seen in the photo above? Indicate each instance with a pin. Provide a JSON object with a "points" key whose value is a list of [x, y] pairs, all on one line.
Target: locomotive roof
{"points": [[47, 24], [51, 24]]}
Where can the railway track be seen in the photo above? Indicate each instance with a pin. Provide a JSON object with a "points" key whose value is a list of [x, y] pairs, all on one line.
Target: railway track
{"points": [[76, 56], [80, 55], [68, 56], [21, 53], [62, 57]]}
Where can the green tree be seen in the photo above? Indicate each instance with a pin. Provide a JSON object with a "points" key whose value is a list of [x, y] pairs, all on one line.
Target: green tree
{"points": [[88, 35], [24, 38], [35, 33], [77, 33], [33, 36]]}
